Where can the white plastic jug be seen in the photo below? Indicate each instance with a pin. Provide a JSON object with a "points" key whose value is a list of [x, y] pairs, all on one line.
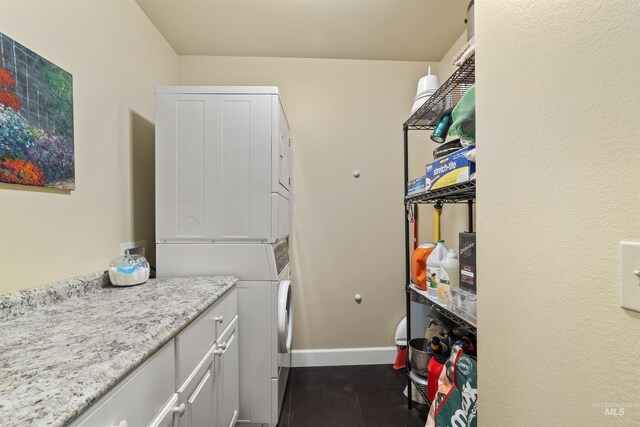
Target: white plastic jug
{"points": [[449, 275], [433, 267]]}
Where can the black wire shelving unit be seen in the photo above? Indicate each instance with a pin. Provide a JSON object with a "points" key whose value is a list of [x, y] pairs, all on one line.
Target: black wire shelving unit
{"points": [[426, 118], [422, 388], [443, 310], [459, 193]]}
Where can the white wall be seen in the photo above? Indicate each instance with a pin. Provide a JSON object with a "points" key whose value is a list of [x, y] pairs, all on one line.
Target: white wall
{"points": [[116, 58], [347, 233], [445, 66], [558, 133]]}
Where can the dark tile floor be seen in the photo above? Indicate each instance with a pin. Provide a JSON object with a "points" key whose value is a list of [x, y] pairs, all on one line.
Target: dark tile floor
{"points": [[350, 396]]}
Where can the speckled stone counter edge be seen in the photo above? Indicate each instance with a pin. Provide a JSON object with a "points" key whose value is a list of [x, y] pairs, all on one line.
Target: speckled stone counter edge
{"points": [[137, 344], [21, 302]]}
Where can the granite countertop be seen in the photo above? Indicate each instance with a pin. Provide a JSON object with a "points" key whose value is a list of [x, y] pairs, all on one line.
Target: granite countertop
{"points": [[62, 346]]}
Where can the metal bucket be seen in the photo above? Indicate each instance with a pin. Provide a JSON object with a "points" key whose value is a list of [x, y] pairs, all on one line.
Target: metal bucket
{"points": [[419, 354]]}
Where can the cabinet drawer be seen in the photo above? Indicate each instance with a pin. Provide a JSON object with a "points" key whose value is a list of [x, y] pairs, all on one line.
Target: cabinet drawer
{"points": [[226, 309], [137, 399], [195, 341]]}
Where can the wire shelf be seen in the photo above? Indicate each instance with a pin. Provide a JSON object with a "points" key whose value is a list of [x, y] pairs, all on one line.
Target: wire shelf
{"points": [[422, 388], [458, 193], [447, 96], [423, 297]]}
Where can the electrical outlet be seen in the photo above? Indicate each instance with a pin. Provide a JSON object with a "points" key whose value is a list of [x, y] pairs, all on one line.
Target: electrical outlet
{"points": [[630, 275]]}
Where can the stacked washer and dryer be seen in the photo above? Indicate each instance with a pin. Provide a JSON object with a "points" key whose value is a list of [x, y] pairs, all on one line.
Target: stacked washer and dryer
{"points": [[222, 208]]}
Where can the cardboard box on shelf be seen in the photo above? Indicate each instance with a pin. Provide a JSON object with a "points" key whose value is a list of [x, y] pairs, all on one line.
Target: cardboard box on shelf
{"points": [[464, 304], [450, 170], [416, 186], [468, 273]]}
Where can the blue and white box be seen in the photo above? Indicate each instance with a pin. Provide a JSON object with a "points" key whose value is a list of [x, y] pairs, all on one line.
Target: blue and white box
{"points": [[416, 186], [450, 170]]}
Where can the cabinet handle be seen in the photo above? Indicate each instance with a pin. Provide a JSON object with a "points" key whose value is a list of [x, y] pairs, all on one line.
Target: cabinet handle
{"points": [[179, 409], [123, 423], [221, 348], [219, 319]]}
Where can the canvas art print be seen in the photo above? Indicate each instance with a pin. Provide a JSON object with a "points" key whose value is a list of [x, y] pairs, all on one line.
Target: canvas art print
{"points": [[36, 119]]}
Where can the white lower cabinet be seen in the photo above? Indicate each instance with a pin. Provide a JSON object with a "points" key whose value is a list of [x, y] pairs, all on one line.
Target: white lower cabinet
{"points": [[211, 392], [139, 398], [171, 389]]}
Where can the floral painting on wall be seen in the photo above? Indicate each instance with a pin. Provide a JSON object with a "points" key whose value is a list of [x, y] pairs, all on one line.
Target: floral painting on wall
{"points": [[36, 119]]}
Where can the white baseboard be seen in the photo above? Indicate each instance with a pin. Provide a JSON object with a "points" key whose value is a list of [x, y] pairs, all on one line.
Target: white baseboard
{"points": [[343, 356]]}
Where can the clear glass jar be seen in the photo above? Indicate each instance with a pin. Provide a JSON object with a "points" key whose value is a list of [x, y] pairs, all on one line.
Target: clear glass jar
{"points": [[128, 270]]}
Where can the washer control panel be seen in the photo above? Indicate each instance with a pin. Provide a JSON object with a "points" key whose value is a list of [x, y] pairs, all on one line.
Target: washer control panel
{"points": [[281, 254]]}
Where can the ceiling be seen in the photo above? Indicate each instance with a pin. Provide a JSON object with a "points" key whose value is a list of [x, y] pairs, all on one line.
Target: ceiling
{"points": [[404, 30]]}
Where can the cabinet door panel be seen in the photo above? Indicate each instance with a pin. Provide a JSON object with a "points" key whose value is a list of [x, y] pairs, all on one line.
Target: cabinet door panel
{"points": [[200, 411], [284, 160], [212, 167], [168, 417], [227, 381]]}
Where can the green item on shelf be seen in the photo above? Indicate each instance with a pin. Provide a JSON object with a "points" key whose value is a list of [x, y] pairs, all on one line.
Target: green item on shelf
{"points": [[456, 400], [464, 116]]}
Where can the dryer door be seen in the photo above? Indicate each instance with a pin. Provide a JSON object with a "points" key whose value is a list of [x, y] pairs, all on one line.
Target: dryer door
{"points": [[285, 317]]}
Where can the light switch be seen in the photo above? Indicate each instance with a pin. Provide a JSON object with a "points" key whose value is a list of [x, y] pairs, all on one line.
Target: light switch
{"points": [[630, 275]]}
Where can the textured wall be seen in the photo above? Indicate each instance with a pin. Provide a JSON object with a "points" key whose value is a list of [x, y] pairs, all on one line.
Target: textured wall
{"points": [[558, 134], [347, 233], [116, 57]]}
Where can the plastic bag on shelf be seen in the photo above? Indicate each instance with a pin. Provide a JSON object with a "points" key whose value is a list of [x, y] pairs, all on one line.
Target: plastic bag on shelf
{"points": [[464, 116], [456, 402], [471, 155]]}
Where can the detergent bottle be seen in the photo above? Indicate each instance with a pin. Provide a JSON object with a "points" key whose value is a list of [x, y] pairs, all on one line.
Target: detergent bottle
{"points": [[433, 267], [449, 275], [419, 265]]}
